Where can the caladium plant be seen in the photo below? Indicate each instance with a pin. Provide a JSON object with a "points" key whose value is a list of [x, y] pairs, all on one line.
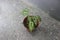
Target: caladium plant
{"points": [[32, 20]]}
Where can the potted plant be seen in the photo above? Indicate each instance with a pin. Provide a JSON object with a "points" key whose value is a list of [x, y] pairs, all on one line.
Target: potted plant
{"points": [[30, 22]]}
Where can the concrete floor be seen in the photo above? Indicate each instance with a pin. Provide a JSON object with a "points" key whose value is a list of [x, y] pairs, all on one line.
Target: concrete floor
{"points": [[50, 6], [11, 27]]}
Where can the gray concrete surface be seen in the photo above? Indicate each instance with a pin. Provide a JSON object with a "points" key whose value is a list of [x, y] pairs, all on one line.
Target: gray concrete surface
{"points": [[50, 6], [11, 27]]}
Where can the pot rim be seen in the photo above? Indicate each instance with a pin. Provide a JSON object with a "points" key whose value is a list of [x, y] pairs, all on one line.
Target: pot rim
{"points": [[25, 20]]}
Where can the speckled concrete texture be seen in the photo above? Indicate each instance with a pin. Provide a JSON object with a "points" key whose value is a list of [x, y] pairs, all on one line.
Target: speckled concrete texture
{"points": [[11, 27]]}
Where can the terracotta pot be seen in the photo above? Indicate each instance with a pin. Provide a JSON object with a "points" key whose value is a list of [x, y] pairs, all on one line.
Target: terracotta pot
{"points": [[25, 22]]}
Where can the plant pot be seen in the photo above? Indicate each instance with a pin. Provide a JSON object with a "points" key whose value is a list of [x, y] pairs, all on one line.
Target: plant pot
{"points": [[25, 23]]}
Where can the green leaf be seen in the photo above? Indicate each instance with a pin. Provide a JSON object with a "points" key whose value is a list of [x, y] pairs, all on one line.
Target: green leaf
{"points": [[25, 11], [31, 26], [35, 20], [29, 18], [38, 18]]}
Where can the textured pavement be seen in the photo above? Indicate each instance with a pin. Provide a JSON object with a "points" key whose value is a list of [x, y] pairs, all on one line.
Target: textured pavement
{"points": [[50, 6], [11, 27]]}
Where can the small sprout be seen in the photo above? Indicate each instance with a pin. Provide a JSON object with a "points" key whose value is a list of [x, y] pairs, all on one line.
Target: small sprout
{"points": [[25, 11]]}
